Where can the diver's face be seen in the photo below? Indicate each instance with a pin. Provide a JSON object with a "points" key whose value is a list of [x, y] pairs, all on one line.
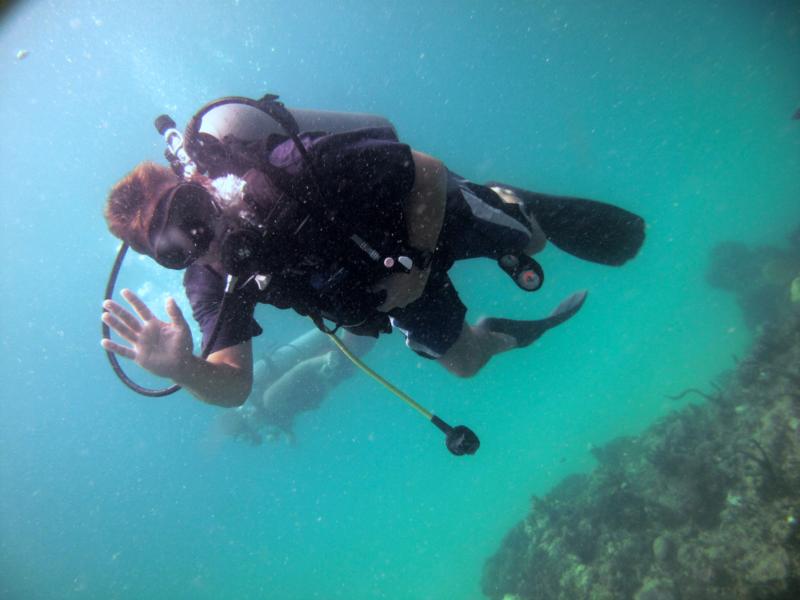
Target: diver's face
{"points": [[194, 222], [184, 225]]}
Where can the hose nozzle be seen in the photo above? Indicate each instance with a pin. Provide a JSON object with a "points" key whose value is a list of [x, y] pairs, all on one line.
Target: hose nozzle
{"points": [[460, 440]]}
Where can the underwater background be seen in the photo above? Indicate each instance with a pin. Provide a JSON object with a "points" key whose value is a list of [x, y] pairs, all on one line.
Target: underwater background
{"points": [[678, 111]]}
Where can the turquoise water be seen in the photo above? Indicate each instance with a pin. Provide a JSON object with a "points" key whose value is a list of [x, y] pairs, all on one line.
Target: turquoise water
{"points": [[679, 111]]}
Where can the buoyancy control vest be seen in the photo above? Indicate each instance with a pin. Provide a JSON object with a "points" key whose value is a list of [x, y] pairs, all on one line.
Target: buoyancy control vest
{"points": [[320, 254]]}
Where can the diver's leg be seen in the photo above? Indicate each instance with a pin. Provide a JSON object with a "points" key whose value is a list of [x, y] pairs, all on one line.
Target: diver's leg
{"points": [[589, 229], [285, 357], [490, 336], [434, 322], [473, 349], [358, 344], [435, 327], [538, 237], [481, 223]]}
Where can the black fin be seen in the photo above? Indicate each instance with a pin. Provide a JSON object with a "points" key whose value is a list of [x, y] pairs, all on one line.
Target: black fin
{"points": [[527, 332], [588, 229]]}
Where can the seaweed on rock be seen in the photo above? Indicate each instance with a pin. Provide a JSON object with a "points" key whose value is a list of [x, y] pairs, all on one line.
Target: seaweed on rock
{"points": [[704, 504]]}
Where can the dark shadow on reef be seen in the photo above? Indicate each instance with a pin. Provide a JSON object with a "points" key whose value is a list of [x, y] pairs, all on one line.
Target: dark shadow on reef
{"points": [[765, 279], [703, 505]]}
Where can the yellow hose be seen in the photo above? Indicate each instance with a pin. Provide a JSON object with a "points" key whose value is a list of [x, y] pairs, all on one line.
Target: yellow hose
{"points": [[396, 391]]}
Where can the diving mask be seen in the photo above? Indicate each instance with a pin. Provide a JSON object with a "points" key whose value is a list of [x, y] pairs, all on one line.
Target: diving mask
{"points": [[184, 226], [189, 217]]}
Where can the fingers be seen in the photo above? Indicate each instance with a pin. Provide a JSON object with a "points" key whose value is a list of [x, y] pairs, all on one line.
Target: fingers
{"points": [[137, 304], [118, 349], [122, 315], [120, 327], [175, 313]]}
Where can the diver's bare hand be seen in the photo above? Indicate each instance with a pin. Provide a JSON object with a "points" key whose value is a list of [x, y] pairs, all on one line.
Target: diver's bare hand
{"points": [[402, 288], [164, 349]]}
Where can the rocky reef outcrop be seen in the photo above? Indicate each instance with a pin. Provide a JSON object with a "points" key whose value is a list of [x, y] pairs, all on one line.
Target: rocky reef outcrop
{"points": [[705, 504]]}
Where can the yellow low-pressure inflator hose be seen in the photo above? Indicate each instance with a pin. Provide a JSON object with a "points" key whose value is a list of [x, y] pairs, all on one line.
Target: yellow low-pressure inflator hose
{"points": [[388, 385], [460, 439]]}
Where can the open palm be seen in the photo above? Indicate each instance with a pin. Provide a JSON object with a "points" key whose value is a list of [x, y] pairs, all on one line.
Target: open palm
{"points": [[163, 348]]}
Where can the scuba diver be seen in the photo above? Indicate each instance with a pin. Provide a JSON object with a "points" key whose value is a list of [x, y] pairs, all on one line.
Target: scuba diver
{"points": [[344, 224], [292, 379]]}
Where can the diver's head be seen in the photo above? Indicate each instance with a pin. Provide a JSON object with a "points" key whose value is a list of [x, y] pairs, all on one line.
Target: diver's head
{"points": [[160, 215], [176, 222], [133, 201]]}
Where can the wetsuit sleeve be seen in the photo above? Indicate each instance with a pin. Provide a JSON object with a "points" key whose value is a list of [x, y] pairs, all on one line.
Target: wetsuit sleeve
{"points": [[205, 289]]}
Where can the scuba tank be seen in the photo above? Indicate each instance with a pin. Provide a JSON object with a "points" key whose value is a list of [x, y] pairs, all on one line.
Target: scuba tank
{"points": [[247, 120], [238, 117]]}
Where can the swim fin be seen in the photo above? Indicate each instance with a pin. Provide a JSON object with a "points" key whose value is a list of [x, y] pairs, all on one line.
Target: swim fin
{"points": [[588, 229], [527, 332]]}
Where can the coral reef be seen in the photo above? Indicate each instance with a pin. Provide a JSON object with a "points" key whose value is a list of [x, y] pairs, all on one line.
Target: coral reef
{"points": [[705, 504]]}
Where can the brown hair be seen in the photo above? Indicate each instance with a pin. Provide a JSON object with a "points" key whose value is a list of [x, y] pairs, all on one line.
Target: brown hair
{"points": [[132, 202]]}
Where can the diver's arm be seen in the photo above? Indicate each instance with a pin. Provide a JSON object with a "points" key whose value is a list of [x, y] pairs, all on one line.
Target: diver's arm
{"points": [[165, 349], [423, 210], [224, 378]]}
